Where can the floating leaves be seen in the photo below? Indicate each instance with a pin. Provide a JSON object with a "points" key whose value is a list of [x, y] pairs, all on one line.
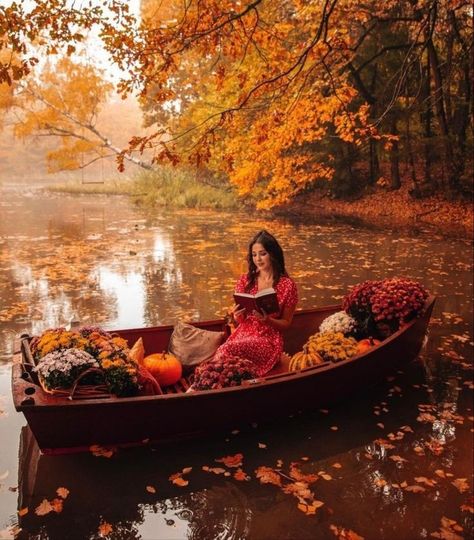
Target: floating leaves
{"points": [[448, 530], [231, 461], [344, 534], [104, 529], [54, 505], [103, 451], [177, 478]]}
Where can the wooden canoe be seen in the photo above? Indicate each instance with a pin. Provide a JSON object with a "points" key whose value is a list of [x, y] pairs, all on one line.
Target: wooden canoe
{"points": [[61, 425]]}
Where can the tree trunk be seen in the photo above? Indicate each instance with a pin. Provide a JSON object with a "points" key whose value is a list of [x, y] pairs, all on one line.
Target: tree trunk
{"points": [[374, 171], [395, 182]]}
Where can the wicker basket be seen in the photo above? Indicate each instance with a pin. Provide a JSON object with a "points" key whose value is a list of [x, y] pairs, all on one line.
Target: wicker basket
{"points": [[78, 390]]}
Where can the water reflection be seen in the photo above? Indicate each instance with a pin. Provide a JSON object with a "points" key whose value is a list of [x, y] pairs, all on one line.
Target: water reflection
{"points": [[122, 267]]}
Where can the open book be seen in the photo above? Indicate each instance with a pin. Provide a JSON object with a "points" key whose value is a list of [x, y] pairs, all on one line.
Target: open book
{"points": [[264, 301]]}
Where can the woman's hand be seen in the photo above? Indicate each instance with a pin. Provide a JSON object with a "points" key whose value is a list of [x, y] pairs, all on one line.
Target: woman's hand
{"points": [[263, 317], [238, 314]]}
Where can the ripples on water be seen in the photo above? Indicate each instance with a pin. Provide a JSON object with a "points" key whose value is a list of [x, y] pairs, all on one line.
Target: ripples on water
{"points": [[104, 261]]}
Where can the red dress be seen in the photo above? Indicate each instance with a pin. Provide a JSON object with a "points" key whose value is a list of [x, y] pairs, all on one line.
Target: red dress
{"points": [[254, 339]]}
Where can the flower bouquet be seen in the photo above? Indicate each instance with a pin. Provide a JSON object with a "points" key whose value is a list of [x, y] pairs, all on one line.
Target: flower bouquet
{"points": [[108, 356], [222, 373], [339, 322], [60, 371], [381, 307], [332, 346]]}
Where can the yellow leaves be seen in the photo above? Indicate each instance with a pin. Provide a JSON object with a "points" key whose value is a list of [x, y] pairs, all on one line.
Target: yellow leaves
{"points": [[23, 511], [150, 489], [54, 505]]}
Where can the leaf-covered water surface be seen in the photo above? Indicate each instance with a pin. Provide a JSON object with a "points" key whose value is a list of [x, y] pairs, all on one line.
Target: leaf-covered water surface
{"points": [[393, 462]]}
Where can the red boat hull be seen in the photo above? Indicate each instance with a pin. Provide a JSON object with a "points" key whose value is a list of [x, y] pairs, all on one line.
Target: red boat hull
{"points": [[61, 425]]}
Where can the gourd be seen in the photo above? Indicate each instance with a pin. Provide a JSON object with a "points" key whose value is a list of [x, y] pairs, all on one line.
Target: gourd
{"points": [[137, 352], [304, 359], [366, 344], [165, 367]]}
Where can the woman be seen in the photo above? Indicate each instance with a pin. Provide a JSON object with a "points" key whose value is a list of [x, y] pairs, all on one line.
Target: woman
{"points": [[258, 337]]}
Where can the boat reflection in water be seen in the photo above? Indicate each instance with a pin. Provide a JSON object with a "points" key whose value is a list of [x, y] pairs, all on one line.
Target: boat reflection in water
{"points": [[119, 492]]}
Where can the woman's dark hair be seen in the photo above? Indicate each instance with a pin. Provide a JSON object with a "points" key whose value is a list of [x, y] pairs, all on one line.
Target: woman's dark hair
{"points": [[273, 248]]}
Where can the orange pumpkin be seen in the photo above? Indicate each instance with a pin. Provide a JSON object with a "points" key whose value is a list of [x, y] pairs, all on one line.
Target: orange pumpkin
{"points": [[165, 367], [365, 344]]}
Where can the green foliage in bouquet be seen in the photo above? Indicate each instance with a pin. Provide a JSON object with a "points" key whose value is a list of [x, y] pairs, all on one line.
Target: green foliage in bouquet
{"points": [[60, 368], [333, 346]]}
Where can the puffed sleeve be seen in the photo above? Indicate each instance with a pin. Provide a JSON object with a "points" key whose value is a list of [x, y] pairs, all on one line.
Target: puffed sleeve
{"points": [[290, 294], [241, 283]]}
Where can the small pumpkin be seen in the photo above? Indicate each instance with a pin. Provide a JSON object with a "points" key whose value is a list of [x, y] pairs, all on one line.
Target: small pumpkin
{"points": [[165, 367], [366, 344], [304, 359]]}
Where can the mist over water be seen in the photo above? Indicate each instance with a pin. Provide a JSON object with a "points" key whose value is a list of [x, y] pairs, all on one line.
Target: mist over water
{"points": [[102, 260]]}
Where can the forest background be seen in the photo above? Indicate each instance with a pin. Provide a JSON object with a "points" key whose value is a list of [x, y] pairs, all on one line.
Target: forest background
{"points": [[333, 107]]}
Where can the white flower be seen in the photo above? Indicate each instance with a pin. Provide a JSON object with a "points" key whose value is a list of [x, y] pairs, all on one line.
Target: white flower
{"points": [[338, 322], [64, 361]]}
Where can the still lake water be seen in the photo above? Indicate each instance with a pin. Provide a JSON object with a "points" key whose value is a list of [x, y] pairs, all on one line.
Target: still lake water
{"points": [[105, 261]]}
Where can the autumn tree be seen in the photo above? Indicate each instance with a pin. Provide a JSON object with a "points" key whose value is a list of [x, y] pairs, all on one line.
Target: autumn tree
{"points": [[64, 102], [281, 96]]}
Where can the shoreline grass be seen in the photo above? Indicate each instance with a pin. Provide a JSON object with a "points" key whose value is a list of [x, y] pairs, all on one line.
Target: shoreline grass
{"points": [[164, 186]]}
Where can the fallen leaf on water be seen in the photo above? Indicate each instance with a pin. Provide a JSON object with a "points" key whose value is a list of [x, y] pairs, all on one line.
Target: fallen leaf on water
{"points": [[305, 458], [215, 470], [397, 459], [102, 451], [311, 508], [179, 481], [345, 534], [105, 529], [231, 461], [43, 508], [334, 428], [415, 489], [150, 489], [427, 481], [461, 484], [380, 425], [448, 530], [298, 475], [62, 492], [186, 470], [241, 475], [57, 505], [325, 475], [267, 475], [336, 465], [22, 512], [467, 508]]}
